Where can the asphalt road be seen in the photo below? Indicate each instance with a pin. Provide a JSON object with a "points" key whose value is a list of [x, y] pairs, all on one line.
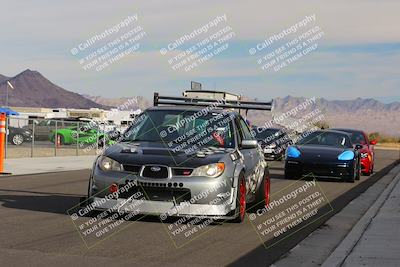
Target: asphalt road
{"points": [[35, 229]]}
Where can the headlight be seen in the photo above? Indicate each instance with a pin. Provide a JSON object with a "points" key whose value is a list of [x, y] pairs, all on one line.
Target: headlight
{"points": [[346, 155], [211, 170], [273, 145], [292, 152], [107, 164], [27, 133], [364, 155]]}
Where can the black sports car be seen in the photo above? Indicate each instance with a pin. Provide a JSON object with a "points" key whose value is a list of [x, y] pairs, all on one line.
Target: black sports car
{"points": [[273, 141], [324, 154]]}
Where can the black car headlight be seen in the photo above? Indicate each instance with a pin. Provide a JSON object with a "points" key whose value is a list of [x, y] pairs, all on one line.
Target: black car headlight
{"points": [[273, 145], [27, 133], [108, 164], [210, 170]]}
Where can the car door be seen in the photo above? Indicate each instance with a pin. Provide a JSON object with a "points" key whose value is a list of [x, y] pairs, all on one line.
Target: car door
{"points": [[250, 154], [43, 129]]}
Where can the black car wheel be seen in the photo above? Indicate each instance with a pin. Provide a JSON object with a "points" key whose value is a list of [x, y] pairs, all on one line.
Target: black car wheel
{"points": [[17, 139], [263, 193], [358, 175], [353, 176]]}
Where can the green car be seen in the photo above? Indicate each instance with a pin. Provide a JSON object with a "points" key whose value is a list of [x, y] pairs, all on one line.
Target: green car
{"points": [[84, 136]]}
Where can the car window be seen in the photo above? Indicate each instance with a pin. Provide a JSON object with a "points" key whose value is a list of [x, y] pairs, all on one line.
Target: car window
{"points": [[270, 134], [245, 129], [326, 139], [43, 123], [174, 127]]}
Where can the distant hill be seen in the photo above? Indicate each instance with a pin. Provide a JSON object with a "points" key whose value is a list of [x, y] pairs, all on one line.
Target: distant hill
{"points": [[338, 106], [3, 78], [32, 89], [368, 114], [123, 103]]}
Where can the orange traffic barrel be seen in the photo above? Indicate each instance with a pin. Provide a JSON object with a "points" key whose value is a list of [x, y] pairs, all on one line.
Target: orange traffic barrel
{"points": [[3, 118]]}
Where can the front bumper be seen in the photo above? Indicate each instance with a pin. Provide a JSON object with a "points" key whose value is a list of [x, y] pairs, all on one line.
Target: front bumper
{"points": [[365, 164], [336, 170], [164, 208], [175, 196], [272, 153]]}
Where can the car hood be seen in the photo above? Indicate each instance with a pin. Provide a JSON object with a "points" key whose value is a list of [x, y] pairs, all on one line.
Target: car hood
{"points": [[264, 143], [141, 153], [319, 153]]}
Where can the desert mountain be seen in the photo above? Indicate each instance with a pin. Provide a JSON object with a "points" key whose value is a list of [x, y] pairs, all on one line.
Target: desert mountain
{"points": [[32, 89], [367, 114], [122, 103], [3, 78]]}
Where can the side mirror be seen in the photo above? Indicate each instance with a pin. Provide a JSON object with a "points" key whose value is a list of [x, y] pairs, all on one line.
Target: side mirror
{"points": [[249, 143], [358, 146], [373, 142]]}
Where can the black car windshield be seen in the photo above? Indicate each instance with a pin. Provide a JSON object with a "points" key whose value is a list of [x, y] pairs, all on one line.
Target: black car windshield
{"points": [[326, 139], [262, 134], [183, 128]]}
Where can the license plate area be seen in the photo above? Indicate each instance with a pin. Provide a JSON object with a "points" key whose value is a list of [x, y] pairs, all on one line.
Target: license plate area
{"points": [[153, 193]]}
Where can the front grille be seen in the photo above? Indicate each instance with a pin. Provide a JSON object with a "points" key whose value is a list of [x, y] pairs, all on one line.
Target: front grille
{"points": [[135, 169], [326, 170], [157, 172]]}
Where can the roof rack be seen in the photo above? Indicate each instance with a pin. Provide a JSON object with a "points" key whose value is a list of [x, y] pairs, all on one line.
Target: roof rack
{"points": [[200, 102]]}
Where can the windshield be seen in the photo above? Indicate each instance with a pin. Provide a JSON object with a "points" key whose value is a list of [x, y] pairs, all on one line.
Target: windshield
{"points": [[186, 129], [267, 134], [358, 138], [326, 139]]}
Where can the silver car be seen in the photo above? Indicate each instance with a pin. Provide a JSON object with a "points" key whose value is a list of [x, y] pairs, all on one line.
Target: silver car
{"points": [[182, 161]]}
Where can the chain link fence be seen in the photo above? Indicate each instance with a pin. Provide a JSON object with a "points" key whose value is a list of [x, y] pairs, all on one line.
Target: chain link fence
{"points": [[49, 138]]}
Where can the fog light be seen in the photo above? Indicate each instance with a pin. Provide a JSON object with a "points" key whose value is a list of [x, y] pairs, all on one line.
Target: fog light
{"points": [[113, 188]]}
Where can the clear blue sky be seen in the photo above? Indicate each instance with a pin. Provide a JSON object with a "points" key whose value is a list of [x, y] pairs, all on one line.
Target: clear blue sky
{"points": [[357, 57]]}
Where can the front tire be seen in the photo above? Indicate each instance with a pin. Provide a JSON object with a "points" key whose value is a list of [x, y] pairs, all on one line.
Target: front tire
{"points": [[263, 193], [358, 175], [17, 139], [353, 175]]}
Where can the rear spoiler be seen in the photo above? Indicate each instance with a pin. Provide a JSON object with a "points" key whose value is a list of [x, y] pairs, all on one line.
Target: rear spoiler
{"points": [[200, 102]]}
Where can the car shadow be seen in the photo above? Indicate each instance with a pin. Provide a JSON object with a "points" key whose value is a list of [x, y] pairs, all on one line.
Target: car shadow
{"points": [[43, 202], [65, 204]]}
